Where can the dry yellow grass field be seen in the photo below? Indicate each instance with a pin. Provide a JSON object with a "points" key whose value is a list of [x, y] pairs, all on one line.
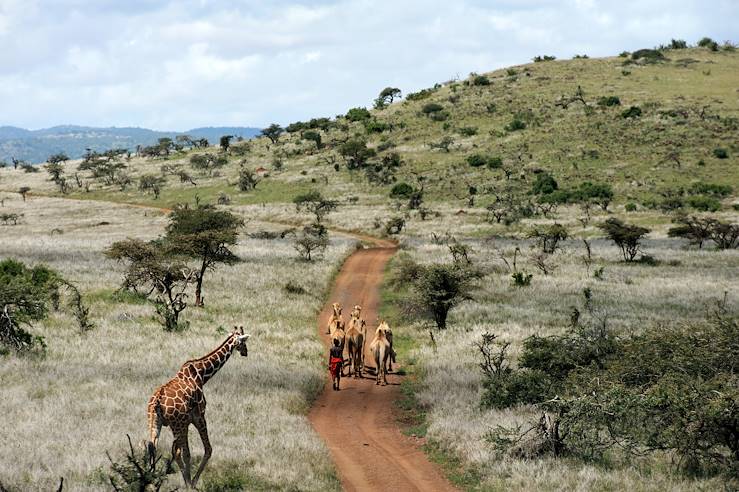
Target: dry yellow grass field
{"points": [[62, 413]]}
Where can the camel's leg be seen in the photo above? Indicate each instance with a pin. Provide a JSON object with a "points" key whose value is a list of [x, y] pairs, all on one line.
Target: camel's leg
{"points": [[202, 428]]}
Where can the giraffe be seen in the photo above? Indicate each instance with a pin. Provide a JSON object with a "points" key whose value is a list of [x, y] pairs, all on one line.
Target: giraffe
{"points": [[180, 402]]}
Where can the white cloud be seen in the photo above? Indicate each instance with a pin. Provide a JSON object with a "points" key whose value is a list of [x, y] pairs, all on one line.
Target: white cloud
{"points": [[180, 64]]}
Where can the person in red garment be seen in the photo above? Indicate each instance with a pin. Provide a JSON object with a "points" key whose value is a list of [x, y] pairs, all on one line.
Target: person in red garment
{"points": [[335, 362]]}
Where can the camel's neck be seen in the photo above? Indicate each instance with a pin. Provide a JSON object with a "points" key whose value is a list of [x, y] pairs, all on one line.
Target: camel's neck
{"points": [[201, 370]]}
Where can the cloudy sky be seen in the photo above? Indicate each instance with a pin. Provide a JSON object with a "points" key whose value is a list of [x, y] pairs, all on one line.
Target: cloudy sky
{"points": [[175, 65]]}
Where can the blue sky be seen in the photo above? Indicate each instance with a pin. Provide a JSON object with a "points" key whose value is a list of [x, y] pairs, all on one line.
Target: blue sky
{"points": [[180, 64]]}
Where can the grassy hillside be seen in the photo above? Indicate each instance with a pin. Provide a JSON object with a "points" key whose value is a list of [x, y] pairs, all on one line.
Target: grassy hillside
{"points": [[671, 137], [689, 113]]}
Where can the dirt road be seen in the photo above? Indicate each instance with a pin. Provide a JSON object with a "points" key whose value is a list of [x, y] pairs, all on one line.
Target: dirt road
{"points": [[357, 422]]}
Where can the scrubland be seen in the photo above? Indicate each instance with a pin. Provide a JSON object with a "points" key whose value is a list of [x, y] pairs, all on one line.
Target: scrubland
{"points": [[635, 298], [64, 411], [61, 413]]}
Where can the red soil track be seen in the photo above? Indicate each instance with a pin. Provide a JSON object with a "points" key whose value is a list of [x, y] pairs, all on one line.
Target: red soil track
{"points": [[358, 423]]}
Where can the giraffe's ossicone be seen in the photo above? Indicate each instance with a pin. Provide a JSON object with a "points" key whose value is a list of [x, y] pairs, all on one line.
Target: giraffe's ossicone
{"points": [[180, 402]]}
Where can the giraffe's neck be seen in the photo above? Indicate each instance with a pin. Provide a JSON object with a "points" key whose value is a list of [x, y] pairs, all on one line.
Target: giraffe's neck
{"points": [[201, 370]]}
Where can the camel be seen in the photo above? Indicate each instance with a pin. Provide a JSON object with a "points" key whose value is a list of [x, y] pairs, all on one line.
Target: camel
{"points": [[335, 317], [380, 348], [391, 355], [356, 312], [355, 336], [337, 332]]}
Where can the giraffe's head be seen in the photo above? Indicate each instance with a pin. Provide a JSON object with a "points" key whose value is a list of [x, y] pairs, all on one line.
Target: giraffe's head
{"points": [[240, 340]]}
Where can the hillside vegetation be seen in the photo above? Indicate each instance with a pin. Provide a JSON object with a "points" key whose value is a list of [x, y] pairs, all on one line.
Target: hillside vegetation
{"points": [[575, 214], [660, 131]]}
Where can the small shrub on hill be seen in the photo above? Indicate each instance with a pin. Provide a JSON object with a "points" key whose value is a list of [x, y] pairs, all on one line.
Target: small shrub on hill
{"points": [[631, 112], [607, 101], [402, 190], [720, 153], [709, 43], [544, 184], [515, 125], [704, 203], [358, 114], [480, 160], [648, 55], [480, 80]]}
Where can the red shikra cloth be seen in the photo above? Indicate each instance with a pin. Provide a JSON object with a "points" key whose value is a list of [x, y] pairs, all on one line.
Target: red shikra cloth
{"points": [[335, 366]]}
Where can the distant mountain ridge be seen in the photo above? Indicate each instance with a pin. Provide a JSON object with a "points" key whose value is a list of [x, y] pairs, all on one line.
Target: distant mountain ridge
{"points": [[36, 145]]}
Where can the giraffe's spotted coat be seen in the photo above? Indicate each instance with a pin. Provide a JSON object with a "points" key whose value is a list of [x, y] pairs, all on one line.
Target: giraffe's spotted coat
{"points": [[181, 402]]}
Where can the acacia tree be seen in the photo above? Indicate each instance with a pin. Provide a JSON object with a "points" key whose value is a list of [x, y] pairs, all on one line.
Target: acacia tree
{"points": [[697, 230], [247, 179], [23, 190], [438, 288], [316, 204], [549, 237], [225, 142], [273, 132], [356, 153], [152, 183], [27, 295], [626, 236], [151, 267], [56, 172], [203, 233], [387, 96], [314, 238]]}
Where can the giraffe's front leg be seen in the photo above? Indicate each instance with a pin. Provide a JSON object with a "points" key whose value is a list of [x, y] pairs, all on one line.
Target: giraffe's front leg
{"points": [[202, 428]]}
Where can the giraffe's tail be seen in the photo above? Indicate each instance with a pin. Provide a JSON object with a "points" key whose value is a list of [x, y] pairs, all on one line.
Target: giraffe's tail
{"points": [[154, 417]]}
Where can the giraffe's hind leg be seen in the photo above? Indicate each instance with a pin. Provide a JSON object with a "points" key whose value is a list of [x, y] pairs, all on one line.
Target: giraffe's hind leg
{"points": [[181, 452], [202, 428]]}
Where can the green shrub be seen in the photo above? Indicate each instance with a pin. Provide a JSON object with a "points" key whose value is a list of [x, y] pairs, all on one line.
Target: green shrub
{"points": [[431, 108], [599, 193], [422, 94], [713, 189], [480, 160], [402, 190], [678, 44], [521, 279], [468, 131], [375, 126], [632, 112], [480, 80], [648, 55], [516, 388], [708, 43], [544, 184], [358, 114], [607, 101], [720, 153], [539, 58], [515, 125], [394, 225], [704, 203], [630, 207]]}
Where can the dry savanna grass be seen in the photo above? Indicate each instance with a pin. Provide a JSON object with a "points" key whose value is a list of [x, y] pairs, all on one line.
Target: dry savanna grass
{"points": [[62, 412], [636, 297]]}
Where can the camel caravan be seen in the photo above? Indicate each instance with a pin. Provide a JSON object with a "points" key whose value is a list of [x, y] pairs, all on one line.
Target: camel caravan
{"points": [[350, 339]]}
